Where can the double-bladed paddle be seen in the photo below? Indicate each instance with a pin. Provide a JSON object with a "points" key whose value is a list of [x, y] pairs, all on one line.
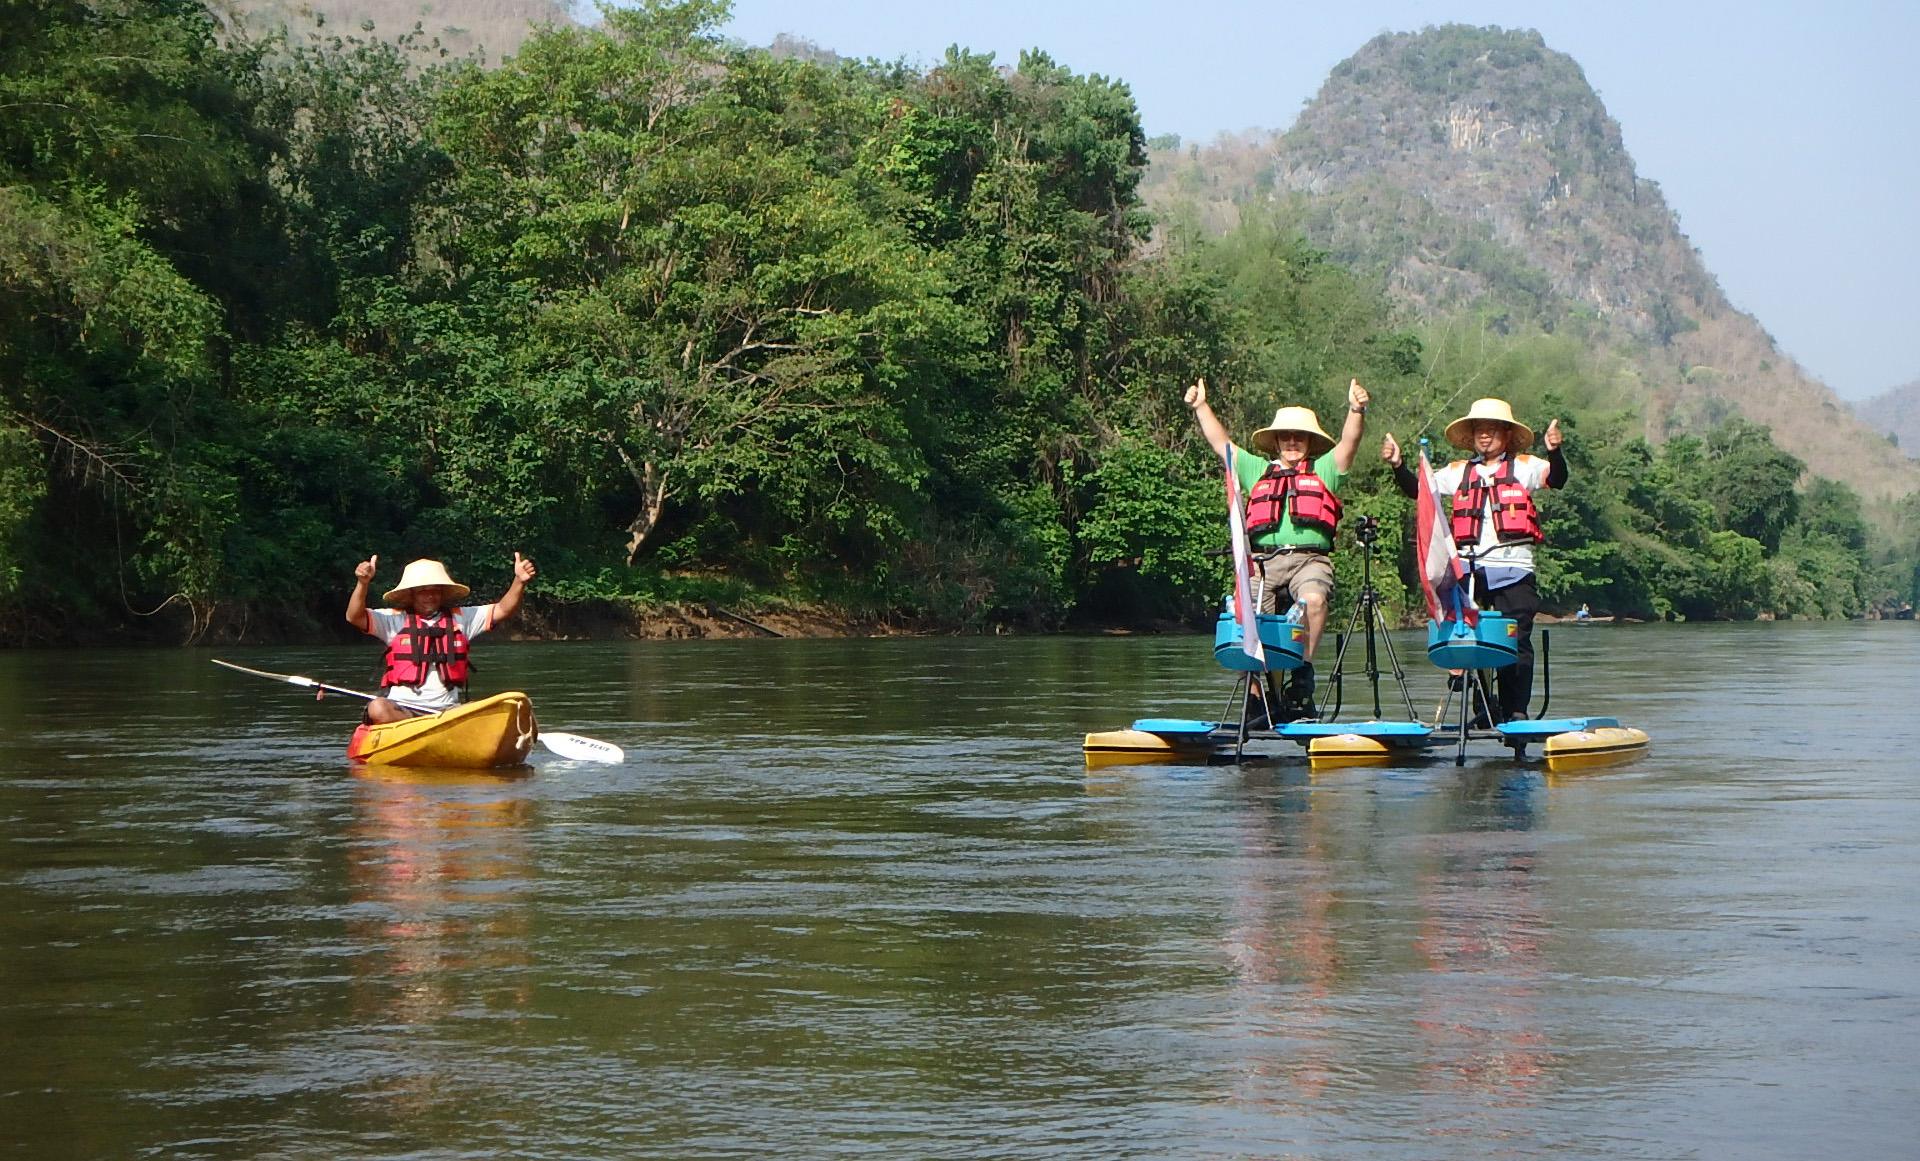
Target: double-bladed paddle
{"points": [[565, 745]]}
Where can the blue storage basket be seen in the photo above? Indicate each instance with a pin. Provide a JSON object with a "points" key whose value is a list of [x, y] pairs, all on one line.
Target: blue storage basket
{"points": [[1492, 644], [1284, 640]]}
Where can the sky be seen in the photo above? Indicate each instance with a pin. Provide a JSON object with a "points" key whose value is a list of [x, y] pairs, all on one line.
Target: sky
{"points": [[1785, 135]]}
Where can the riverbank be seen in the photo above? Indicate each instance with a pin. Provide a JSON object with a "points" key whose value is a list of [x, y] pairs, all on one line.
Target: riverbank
{"points": [[179, 623], [609, 620]]}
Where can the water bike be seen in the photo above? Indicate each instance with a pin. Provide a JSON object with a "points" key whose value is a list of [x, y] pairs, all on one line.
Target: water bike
{"points": [[1469, 643]]}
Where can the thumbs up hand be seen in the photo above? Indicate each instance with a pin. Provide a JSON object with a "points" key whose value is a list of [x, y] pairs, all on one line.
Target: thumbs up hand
{"points": [[523, 569], [1553, 437], [365, 569]]}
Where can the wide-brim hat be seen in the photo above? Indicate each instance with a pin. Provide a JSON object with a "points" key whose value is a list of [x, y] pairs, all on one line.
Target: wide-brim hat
{"points": [[1460, 431], [420, 574], [1300, 419]]}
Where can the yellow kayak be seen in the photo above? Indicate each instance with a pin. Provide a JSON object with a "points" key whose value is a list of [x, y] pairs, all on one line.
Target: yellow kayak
{"points": [[485, 734], [1588, 749], [1339, 750], [1121, 747]]}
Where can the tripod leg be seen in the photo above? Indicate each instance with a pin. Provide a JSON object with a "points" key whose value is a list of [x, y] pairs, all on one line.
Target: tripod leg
{"points": [[1236, 708], [1241, 693], [1270, 696], [1399, 674], [1466, 709], [1344, 641]]}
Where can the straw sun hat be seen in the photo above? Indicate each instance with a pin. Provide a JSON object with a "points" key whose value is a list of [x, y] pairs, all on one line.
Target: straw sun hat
{"points": [[420, 574], [1460, 431], [1300, 419]]}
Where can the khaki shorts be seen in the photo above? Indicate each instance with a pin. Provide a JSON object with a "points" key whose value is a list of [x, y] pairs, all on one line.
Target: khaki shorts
{"points": [[1292, 575]]}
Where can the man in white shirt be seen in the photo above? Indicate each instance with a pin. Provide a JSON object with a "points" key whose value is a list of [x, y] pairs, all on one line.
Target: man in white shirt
{"points": [[1494, 522], [427, 633]]}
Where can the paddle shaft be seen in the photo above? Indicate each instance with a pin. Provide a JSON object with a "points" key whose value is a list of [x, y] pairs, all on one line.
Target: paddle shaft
{"points": [[310, 683]]}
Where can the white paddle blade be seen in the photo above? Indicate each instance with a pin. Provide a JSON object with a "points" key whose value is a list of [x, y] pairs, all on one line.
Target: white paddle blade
{"points": [[583, 749]]}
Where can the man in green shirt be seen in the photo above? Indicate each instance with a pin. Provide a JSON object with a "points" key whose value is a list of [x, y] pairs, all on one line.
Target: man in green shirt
{"points": [[1292, 534]]}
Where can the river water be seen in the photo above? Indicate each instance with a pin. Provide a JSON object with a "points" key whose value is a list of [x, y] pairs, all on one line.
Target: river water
{"points": [[862, 898]]}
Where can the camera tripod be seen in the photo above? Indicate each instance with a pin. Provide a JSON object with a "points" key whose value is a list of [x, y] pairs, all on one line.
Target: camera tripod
{"points": [[1368, 619]]}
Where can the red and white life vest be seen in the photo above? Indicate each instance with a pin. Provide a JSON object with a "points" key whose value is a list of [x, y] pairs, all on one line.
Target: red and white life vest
{"points": [[1295, 492], [424, 643], [1514, 517]]}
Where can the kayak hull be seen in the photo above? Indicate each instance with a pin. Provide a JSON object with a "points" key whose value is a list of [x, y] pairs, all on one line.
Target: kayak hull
{"points": [[1122, 747], [1334, 751], [487, 734], [1593, 748]]}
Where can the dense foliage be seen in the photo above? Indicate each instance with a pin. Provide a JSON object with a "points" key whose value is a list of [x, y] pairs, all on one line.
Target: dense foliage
{"points": [[689, 321]]}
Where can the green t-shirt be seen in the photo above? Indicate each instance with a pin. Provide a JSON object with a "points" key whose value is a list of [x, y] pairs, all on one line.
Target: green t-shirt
{"points": [[1249, 467]]}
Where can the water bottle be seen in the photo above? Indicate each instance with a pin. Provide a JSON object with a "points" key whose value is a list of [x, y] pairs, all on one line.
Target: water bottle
{"points": [[1298, 614]]}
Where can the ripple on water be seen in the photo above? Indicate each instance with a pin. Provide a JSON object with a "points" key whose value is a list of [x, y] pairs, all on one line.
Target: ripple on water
{"points": [[862, 898]]}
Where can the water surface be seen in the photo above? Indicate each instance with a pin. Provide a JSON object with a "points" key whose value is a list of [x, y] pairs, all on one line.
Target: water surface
{"points": [[862, 898]]}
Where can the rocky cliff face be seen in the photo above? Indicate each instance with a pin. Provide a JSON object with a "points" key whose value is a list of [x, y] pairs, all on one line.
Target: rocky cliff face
{"points": [[464, 27], [1475, 169], [1474, 149]]}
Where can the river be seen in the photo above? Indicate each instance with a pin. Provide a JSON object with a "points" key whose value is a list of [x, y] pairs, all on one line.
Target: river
{"points": [[863, 898]]}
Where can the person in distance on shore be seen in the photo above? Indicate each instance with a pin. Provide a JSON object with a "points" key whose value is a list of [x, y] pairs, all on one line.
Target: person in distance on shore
{"points": [[1494, 522], [427, 633], [1293, 510]]}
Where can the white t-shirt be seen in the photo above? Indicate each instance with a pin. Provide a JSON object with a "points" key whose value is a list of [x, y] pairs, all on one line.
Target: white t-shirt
{"points": [[1530, 472], [434, 692]]}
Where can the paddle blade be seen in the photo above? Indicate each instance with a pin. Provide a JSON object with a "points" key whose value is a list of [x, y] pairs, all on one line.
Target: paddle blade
{"points": [[583, 749]]}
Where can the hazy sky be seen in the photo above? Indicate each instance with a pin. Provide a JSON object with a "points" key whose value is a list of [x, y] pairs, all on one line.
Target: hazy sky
{"points": [[1787, 136]]}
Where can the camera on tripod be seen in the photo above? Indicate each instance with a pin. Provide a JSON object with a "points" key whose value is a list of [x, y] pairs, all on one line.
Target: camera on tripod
{"points": [[1366, 529]]}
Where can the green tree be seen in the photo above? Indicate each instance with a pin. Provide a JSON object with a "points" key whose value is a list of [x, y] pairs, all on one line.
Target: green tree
{"points": [[713, 309], [134, 224], [1752, 482]]}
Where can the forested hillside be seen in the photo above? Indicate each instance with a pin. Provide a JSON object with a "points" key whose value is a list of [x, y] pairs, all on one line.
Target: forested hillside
{"points": [[1895, 414], [694, 323], [1476, 173]]}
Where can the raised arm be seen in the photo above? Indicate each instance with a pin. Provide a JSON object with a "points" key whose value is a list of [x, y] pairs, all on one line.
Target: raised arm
{"points": [[357, 603], [509, 602], [1209, 422], [1403, 476], [1556, 459], [1355, 427]]}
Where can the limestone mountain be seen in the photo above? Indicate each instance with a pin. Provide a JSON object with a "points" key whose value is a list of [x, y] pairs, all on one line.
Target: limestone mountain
{"points": [[1896, 414], [1474, 170], [464, 27]]}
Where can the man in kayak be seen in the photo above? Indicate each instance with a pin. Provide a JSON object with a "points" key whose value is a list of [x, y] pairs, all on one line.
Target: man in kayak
{"points": [[426, 631], [1292, 511], [1494, 522]]}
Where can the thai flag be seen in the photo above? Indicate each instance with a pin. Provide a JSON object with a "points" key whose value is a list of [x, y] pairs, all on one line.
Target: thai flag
{"points": [[1243, 609], [1443, 576]]}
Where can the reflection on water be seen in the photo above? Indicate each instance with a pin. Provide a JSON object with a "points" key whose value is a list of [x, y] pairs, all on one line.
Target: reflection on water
{"points": [[863, 898], [438, 870], [1285, 954], [1480, 1017], [1304, 933]]}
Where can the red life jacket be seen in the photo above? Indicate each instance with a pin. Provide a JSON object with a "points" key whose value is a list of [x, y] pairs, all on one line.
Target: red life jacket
{"points": [[1295, 492], [1514, 517], [423, 643]]}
